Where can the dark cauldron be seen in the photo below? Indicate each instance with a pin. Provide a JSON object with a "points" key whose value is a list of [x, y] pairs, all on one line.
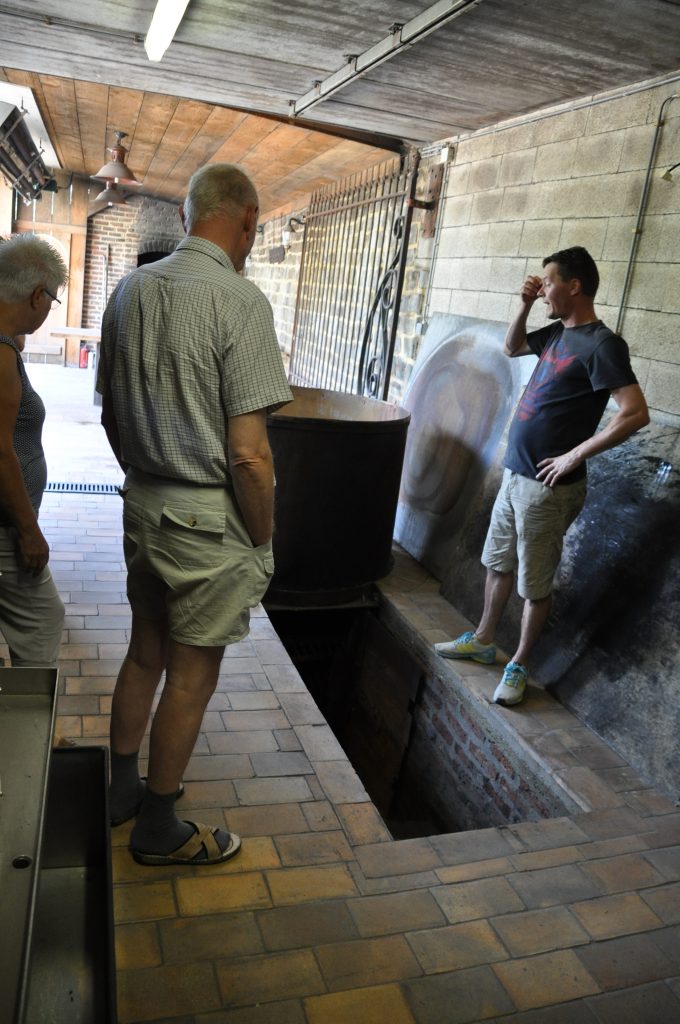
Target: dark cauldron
{"points": [[338, 462]]}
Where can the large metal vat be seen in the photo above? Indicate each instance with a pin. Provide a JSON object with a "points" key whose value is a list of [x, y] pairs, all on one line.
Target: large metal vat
{"points": [[338, 462]]}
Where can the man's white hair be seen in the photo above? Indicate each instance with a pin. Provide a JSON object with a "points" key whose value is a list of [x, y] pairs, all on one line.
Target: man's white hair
{"points": [[217, 189], [26, 263]]}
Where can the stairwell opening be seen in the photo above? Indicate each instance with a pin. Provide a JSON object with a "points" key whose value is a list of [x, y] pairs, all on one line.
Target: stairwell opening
{"points": [[428, 758]]}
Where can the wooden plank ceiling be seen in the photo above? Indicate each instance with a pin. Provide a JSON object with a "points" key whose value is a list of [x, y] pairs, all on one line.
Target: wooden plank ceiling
{"points": [[169, 137], [235, 66]]}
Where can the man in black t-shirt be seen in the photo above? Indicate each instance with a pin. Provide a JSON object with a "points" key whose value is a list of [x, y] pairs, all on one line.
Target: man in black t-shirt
{"points": [[580, 364]]}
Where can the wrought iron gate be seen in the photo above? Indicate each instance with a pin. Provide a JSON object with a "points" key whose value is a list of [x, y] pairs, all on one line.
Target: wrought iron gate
{"points": [[351, 277]]}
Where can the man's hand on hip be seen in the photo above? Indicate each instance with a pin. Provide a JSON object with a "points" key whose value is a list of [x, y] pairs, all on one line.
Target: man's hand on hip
{"points": [[551, 470]]}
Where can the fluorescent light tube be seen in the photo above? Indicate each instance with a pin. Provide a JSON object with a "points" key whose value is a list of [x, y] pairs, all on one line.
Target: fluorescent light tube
{"points": [[164, 23]]}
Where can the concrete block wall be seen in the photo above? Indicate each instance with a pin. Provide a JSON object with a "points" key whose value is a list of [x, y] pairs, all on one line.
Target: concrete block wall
{"points": [[572, 176], [278, 281]]}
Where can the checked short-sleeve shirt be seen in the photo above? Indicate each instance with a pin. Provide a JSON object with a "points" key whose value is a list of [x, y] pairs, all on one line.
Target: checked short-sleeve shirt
{"points": [[186, 344]]}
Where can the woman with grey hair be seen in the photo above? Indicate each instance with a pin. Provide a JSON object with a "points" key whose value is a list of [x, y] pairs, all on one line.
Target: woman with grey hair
{"points": [[31, 611]]}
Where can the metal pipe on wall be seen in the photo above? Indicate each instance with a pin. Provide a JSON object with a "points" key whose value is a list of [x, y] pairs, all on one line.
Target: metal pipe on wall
{"points": [[637, 230]]}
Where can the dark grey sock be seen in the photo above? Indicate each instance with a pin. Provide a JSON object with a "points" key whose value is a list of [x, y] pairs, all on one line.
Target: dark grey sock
{"points": [[126, 789], [159, 830]]}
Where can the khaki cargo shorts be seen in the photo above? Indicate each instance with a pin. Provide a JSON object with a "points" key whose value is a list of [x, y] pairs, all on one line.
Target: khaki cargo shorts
{"points": [[527, 528], [190, 560]]}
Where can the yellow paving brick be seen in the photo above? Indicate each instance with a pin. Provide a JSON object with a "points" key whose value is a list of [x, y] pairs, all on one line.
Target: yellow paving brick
{"points": [[362, 962], [621, 874], [539, 931], [143, 902], [476, 869], [137, 946], [546, 979], [299, 885], [264, 979], [166, 992], [96, 725], [378, 1005], [214, 894], [363, 824], [615, 915], [68, 725], [257, 854]]}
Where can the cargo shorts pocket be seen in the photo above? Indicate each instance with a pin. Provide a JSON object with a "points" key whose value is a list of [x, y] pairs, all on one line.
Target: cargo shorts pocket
{"points": [[194, 537], [262, 570]]}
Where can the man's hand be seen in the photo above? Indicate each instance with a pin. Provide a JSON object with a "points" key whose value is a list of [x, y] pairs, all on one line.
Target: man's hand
{"points": [[530, 289], [33, 550], [515, 343], [550, 470]]}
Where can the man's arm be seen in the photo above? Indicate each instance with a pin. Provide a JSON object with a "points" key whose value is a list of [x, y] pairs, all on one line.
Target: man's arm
{"points": [[516, 338], [252, 472], [632, 415], [111, 427], [33, 549]]}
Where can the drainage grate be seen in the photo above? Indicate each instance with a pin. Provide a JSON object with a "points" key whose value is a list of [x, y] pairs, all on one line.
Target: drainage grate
{"points": [[72, 488]]}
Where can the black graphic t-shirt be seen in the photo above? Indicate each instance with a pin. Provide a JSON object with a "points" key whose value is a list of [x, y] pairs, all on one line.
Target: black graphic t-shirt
{"points": [[563, 402]]}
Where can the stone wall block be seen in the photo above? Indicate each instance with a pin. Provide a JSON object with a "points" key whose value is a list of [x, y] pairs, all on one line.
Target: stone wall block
{"points": [[479, 147], [517, 167], [663, 386], [560, 127], [655, 286], [507, 275], [503, 239], [467, 240], [516, 137], [555, 161], [495, 306], [457, 211], [591, 233], [619, 237], [652, 335], [538, 237], [636, 148], [464, 303], [516, 204], [620, 113], [440, 298], [598, 154], [485, 174], [486, 206], [458, 178]]}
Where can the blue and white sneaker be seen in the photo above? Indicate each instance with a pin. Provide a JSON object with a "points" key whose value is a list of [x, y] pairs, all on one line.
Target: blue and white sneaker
{"points": [[511, 688], [467, 646]]}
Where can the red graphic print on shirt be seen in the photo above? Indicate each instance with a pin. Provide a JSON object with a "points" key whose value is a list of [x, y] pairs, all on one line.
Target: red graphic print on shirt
{"points": [[554, 361]]}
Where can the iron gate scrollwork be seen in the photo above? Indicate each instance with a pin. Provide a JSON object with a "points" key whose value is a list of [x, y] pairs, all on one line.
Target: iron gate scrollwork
{"points": [[351, 278]]}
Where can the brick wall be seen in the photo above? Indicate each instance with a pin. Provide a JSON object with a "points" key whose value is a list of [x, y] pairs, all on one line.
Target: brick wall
{"points": [[115, 237], [472, 780], [568, 177]]}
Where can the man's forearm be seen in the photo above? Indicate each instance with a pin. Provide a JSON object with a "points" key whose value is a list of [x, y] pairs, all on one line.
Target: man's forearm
{"points": [[253, 480], [516, 337], [111, 429], [619, 429]]}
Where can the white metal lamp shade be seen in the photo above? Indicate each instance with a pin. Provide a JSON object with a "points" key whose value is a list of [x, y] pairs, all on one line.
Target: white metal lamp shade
{"points": [[111, 195], [116, 169]]}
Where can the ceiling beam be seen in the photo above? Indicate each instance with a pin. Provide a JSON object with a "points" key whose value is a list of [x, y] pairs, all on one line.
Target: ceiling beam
{"points": [[401, 38]]}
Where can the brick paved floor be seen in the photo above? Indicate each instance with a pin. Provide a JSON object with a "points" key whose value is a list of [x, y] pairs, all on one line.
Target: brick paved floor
{"points": [[323, 919]]}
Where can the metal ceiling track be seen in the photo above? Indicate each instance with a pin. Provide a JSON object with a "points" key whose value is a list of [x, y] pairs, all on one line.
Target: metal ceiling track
{"points": [[400, 38]]}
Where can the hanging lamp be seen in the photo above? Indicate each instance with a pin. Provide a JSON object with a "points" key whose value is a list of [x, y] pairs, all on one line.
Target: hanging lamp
{"points": [[116, 169], [111, 195]]}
